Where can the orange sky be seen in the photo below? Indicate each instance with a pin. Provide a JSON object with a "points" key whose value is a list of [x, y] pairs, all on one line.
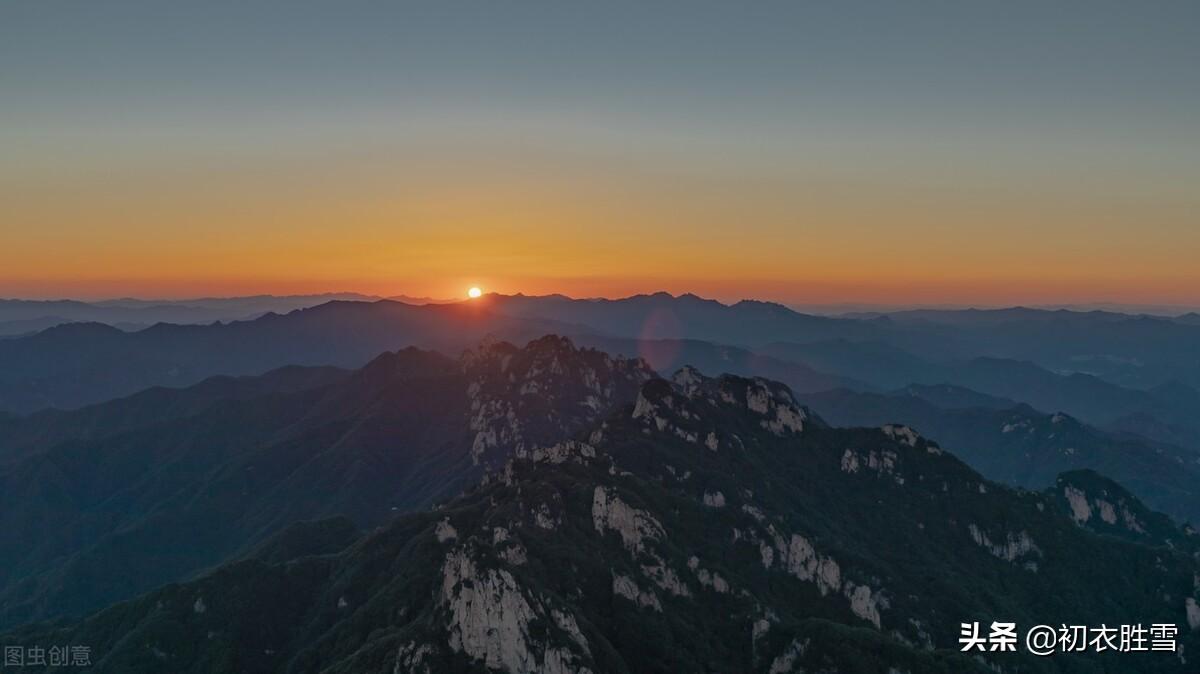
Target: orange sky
{"points": [[587, 226], [799, 152]]}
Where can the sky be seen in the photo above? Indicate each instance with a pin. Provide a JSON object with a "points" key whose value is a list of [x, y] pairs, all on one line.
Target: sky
{"points": [[805, 152]]}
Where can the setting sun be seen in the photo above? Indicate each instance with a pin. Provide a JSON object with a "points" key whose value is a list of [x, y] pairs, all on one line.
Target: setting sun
{"points": [[474, 292]]}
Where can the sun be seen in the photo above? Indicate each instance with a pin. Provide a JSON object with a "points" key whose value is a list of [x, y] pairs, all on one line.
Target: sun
{"points": [[474, 292]]}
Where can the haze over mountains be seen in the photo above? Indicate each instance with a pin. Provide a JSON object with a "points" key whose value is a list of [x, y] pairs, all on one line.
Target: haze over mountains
{"points": [[19, 317], [692, 523], [148, 489], [601, 502], [1133, 351]]}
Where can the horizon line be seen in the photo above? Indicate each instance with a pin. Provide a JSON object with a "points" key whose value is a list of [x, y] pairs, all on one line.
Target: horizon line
{"points": [[832, 307]]}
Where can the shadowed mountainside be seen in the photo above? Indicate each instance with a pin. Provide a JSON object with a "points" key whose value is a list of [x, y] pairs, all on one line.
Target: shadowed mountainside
{"points": [[83, 363], [1018, 445], [713, 524], [98, 517]]}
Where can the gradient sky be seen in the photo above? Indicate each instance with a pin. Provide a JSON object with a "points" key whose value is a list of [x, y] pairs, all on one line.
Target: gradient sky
{"points": [[905, 152]]}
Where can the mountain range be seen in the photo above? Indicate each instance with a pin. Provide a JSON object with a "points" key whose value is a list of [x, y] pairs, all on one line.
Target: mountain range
{"points": [[1018, 445], [375, 485], [78, 364], [19, 317], [1072, 356], [710, 524], [158, 486]]}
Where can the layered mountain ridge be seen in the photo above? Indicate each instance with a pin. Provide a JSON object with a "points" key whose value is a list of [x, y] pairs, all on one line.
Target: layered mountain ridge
{"points": [[707, 524], [1021, 446], [99, 516]]}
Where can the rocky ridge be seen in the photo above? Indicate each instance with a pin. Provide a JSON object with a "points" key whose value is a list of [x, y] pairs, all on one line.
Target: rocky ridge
{"points": [[710, 523]]}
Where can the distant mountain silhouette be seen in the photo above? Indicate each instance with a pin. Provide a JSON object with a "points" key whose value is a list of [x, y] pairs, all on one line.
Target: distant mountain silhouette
{"points": [[881, 364], [142, 312], [157, 405], [668, 355], [1168, 413], [663, 316], [1134, 373], [1134, 351], [83, 363], [27, 326]]}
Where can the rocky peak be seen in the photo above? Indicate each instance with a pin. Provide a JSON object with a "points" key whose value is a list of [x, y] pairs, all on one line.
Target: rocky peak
{"points": [[491, 349], [691, 405], [537, 395]]}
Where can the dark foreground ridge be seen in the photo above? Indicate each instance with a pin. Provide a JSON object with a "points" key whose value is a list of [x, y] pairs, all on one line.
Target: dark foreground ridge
{"points": [[708, 525], [101, 504]]}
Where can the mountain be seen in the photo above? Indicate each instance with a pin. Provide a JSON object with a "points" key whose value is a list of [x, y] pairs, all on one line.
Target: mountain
{"points": [[1088, 397], [888, 350], [162, 485], [144, 312], [1098, 366], [1136, 351], [713, 525], [1167, 413], [668, 355], [881, 364], [76, 311], [1101, 505], [662, 316], [1021, 446], [83, 363], [20, 437], [28, 326], [949, 396]]}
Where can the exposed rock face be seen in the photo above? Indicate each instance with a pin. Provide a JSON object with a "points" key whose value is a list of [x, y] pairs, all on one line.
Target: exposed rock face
{"points": [[709, 579], [785, 662], [1081, 510], [1014, 546], [797, 556], [525, 398], [445, 531], [778, 405], [666, 578], [800, 559], [1097, 503], [569, 450], [864, 602], [627, 587], [490, 617], [850, 461], [413, 658], [785, 549], [902, 434], [883, 463], [635, 526]]}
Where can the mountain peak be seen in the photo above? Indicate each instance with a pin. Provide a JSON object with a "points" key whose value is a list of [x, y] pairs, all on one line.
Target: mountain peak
{"points": [[693, 407], [523, 397]]}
